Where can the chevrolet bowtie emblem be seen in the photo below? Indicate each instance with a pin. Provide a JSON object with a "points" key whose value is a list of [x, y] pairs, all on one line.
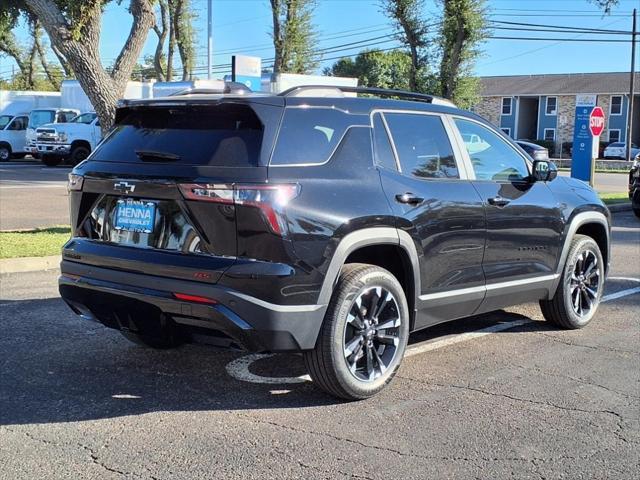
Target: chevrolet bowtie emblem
{"points": [[124, 187]]}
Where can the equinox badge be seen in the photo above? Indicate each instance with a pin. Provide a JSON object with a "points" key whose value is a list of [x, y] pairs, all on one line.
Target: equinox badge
{"points": [[123, 187]]}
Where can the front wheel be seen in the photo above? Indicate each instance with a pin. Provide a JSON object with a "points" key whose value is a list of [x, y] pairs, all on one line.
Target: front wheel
{"points": [[363, 336], [5, 153], [78, 154], [578, 295]]}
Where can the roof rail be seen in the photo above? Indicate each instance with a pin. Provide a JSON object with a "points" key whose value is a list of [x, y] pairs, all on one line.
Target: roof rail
{"points": [[303, 90], [235, 88]]}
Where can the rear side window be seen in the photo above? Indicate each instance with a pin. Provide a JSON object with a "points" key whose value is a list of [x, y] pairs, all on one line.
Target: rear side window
{"points": [[384, 154], [423, 146], [309, 135], [227, 135]]}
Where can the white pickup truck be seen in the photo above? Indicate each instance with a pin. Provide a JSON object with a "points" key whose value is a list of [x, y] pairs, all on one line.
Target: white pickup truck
{"points": [[13, 140], [72, 141]]}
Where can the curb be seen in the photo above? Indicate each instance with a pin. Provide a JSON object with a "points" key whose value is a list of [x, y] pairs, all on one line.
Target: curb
{"points": [[29, 264], [620, 207]]}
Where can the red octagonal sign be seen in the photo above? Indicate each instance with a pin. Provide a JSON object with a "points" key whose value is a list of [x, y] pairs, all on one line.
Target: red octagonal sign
{"points": [[596, 121]]}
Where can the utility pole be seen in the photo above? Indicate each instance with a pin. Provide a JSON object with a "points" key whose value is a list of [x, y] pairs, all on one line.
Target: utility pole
{"points": [[632, 79], [209, 39]]}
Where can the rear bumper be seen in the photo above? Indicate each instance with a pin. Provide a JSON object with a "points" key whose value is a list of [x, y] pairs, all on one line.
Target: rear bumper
{"points": [[145, 304]]}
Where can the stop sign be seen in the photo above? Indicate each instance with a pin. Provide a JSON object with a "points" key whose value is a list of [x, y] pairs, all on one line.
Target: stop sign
{"points": [[596, 121]]}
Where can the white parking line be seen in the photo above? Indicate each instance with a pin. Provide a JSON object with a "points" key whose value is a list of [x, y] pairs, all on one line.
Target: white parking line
{"points": [[239, 368]]}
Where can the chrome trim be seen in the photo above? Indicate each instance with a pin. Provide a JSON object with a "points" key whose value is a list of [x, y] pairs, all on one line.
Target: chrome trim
{"points": [[275, 307], [490, 287]]}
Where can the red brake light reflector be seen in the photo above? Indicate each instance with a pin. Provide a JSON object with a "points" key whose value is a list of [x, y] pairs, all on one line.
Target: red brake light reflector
{"points": [[194, 298]]}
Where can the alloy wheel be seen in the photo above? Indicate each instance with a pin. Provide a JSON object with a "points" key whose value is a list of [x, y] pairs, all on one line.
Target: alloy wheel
{"points": [[372, 333], [4, 153], [584, 283]]}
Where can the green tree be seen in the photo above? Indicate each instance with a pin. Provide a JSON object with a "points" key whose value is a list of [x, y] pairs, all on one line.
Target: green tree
{"points": [[407, 18], [294, 36], [73, 27], [375, 68], [463, 29]]}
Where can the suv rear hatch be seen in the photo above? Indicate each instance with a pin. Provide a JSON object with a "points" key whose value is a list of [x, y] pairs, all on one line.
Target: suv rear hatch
{"points": [[160, 194]]}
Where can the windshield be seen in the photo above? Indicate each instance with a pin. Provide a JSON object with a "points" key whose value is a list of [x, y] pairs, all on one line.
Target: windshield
{"points": [[85, 118], [228, 135], [40, 117], [4, 120]]}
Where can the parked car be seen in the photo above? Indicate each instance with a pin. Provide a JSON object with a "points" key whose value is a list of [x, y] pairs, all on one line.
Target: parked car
{"points": [[330, 225], [72, 141], [41, 116], [619, 150], [536, 152], [634, 186], [12, 136]]}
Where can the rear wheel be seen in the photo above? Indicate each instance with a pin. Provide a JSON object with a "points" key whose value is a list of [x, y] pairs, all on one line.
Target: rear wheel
{"points": [[51, 160], [580, 289], [363, 336]]}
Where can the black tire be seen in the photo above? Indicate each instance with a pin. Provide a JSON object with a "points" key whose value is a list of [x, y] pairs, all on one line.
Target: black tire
{"points": [[164, 342], [78, 154], [574, 290], [636, 211], [327, 363], [5, 152], [51, 160]]}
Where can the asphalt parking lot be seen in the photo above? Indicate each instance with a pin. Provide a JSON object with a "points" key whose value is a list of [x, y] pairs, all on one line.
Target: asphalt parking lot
{"points": [[503, 395]]}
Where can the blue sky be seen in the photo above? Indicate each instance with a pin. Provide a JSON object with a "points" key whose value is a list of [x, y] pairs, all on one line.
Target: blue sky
{"points": [[242, 26]]}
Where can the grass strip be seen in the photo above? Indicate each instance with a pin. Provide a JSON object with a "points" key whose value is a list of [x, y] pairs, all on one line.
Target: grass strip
{"points": [[33, 243]]}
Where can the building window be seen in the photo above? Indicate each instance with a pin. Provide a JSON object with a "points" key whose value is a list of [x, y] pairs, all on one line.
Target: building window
{"points": [[616, 105], [614, 136], [506, 130], [550, 134], [552, 106], [506, 105]]}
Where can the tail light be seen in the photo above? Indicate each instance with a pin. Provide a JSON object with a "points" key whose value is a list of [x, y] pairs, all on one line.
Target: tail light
{"points": [[75, 182], [270, 199]]}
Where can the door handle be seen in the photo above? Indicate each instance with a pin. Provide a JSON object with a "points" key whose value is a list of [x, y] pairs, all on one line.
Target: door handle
{"points": [[409, 198], [498, 201]]}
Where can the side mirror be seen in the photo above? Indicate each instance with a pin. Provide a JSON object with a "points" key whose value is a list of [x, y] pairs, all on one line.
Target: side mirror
{"points": [[544, 171]]}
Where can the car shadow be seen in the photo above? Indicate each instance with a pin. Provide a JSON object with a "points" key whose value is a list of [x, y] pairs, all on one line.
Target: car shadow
{"points": [[56, 367]]}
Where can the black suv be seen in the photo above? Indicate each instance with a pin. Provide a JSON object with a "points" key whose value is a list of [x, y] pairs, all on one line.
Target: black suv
{"points": [[322, 222]]}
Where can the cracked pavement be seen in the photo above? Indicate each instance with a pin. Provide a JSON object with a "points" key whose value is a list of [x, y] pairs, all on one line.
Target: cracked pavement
{"points": [[78, 401]]}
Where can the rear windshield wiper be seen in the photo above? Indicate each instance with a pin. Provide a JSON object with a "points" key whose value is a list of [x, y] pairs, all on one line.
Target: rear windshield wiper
{"points": [[151, 155]]}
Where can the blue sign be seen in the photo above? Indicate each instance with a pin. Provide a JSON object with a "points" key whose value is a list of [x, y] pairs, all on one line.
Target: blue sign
{"points": [[582, 157], [247, 70]]}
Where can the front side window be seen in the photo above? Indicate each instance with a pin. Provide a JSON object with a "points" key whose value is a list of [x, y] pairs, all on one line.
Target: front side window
{"points": [[616, 105], [506, 105], [552, 105], [19, 123], [492, 157], [308, 136], [85, 118], [422, 145]]}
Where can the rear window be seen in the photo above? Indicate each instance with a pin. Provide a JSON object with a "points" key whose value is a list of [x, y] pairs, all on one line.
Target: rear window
{"points": [[227, 135], [309, 135]]}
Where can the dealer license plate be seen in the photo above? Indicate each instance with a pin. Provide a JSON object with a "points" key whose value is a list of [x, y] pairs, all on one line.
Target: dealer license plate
{"points": [[135, 215]]}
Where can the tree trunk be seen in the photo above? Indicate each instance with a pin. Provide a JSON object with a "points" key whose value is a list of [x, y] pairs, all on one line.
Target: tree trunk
{"points": [[161, 32], [183, 37], [55, 81], [172, 39], [83, 55], [277, 36]]}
